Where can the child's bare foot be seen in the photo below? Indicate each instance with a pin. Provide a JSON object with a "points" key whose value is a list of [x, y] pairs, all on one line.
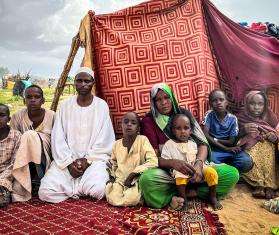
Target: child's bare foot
{"points": [[191, 193], [269, 193], [177, 203], [216, 205], [258, 192]]}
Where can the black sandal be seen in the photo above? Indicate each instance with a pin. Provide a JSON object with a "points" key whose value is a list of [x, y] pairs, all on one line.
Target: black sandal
{"points": [[5, 197]]}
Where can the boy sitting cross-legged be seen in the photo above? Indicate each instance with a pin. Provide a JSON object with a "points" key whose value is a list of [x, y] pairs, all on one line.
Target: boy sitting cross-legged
{"points": [[221, 130]]}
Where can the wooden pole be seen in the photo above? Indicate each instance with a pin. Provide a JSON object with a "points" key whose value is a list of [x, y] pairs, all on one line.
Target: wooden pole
{"points": [[67, 67]]}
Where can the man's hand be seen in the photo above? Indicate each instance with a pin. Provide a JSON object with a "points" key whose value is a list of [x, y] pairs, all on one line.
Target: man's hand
{"points": [[82, 164], [74, 171], [183, 167], [78, 167], [198, 176], [129, 179]]}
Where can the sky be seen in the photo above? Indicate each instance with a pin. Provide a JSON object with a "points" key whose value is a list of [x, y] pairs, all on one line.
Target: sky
{"points": [[36, 35]]}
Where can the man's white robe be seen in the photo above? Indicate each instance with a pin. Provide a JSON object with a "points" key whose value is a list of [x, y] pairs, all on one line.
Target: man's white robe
{"points": [[79, 132]]}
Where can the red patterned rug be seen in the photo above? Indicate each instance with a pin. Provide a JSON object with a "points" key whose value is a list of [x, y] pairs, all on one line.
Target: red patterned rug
{"points": [[85, 216]]}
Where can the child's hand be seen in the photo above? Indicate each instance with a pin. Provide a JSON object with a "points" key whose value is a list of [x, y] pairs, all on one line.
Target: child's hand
{"points": [[271, 137], [109, 165], [235, 149], [251, 128], [129, 179], [111, 180]]}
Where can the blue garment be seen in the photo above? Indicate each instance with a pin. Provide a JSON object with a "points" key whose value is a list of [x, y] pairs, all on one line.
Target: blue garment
{"points": [[224, 129], [241, 161], [26, 83]]}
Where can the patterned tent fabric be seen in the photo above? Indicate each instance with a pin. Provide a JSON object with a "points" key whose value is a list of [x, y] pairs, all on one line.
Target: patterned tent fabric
{"points": [[273, 97], [156, 41], [247, 60]]}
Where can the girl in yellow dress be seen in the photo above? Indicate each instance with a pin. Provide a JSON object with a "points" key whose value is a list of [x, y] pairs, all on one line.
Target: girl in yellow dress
{"points": [[131, 156]]}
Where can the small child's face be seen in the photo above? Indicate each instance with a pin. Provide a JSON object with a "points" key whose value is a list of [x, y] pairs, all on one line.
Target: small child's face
{"points": [[33, 99], [130, 124], [182, 128], [4, 117], [219, 102], [256, 105]]}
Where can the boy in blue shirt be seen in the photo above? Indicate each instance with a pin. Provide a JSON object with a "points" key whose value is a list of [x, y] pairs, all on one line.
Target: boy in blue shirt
{"points": [[221, 129]]}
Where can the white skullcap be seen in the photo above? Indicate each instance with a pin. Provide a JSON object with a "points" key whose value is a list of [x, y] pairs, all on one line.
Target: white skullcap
{"points": [[85, 70]]}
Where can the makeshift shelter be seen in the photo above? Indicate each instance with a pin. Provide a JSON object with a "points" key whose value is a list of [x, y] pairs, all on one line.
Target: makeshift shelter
{"points": [[175, 42], [188, 44]]}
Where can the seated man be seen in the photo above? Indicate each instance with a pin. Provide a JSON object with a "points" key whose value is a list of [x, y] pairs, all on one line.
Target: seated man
{"points": [[81, 142], [34, 154]]}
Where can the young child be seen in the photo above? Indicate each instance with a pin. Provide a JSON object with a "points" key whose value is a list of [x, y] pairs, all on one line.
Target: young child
{"points": [[9, 143], [131, 155], [221, 130], [182, 147]]}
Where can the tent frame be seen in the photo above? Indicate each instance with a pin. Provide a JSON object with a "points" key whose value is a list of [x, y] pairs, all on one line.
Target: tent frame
{"points": [[76, 43]]}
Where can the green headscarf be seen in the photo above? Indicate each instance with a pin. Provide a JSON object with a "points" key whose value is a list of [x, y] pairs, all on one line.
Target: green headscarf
{"points": [[160, 119], [164, 121]]}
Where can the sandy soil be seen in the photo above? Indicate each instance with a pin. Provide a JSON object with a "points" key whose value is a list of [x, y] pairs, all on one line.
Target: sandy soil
{"points": [[242, 214]]}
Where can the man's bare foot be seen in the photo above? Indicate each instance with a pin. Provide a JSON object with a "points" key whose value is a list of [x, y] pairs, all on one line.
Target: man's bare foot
{"points": [[216, 205], [177, 203], [259, 192]]}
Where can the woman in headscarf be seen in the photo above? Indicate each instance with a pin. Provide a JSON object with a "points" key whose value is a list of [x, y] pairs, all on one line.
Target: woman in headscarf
{"points": [[157, 186], [259, 132]]}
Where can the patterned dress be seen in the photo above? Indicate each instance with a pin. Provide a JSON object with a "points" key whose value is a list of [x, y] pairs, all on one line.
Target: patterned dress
{"points": [[8, 149], [265, 172]]}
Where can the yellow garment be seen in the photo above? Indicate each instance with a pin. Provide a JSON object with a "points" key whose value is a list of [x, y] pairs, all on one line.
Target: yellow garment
{"points": [[265, 171], [10, 85], [210, 177], [181, 181], [140, 158]]}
